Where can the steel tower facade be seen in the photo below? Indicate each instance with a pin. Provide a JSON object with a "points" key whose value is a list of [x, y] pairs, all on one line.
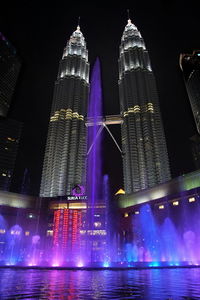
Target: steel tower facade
{"points": [[65, 153], [145, 157]]}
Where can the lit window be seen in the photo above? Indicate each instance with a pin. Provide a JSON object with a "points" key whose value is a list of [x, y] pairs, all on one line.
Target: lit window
{"points": [[31, 216], [125, 215], [10, 139], [3, 174], [49, 232], [93, 232], [2, 231], [58, 205], [27, 233], [15, 232], [137, 212], [175, 203], [80, 205], [97, 224], [161, 206], [191, 199]]}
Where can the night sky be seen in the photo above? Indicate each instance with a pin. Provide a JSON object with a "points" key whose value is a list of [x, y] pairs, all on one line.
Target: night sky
{"points": [[39, 31]]}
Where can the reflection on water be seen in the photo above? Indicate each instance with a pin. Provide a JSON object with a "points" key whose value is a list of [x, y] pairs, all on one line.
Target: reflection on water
{"points": [[151, 284]]}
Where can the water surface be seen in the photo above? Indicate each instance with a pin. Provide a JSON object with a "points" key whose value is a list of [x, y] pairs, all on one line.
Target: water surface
{"points": [[150, 284]]}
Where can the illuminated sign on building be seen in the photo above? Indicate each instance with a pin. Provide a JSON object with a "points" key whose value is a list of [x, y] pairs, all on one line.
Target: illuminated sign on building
{"points": [[76, 198], [78, 190]]}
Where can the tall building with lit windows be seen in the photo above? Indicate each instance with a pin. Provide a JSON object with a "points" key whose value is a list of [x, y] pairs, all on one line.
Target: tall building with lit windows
{"points": [[190, 65], [65, 153], [145, 157]]}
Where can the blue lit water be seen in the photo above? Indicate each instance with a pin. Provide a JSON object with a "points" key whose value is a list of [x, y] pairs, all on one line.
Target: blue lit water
{"points": [[169, 284]]}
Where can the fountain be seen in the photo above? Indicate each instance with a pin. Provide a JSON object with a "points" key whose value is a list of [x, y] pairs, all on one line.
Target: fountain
{"points": [[86, 237], [97, 184], [169, 238]]}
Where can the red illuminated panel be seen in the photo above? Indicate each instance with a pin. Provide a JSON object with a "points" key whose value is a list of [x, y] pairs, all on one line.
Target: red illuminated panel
{"points": [[56, 222], [74, 226], [65, 228]]}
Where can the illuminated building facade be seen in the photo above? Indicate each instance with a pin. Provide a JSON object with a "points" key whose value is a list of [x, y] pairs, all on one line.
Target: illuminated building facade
{"points": [[9, 71], [190, 65], [10, 132], [145, 157], [65, 154]]}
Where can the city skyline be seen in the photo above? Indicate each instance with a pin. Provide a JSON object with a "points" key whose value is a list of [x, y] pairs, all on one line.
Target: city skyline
{"points": [[40, 45]]}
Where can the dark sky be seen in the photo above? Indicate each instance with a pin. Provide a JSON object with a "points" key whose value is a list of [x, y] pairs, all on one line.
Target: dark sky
{"points": [[39, 31]]}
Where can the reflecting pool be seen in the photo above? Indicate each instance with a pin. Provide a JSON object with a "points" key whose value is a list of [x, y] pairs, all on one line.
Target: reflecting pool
{"points": [[171, 284]]}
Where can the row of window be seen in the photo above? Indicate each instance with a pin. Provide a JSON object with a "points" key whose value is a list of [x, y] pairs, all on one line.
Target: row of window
{"points": [[159, 206]]}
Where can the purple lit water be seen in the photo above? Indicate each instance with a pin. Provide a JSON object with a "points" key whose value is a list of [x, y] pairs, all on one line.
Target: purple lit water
{"points": [[165, 238], [157, 284], [95, 217], [94, 159]]}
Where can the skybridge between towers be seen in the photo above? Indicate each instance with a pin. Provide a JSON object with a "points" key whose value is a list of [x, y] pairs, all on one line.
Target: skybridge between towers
{"points": [[103, 122], [107, 120]]}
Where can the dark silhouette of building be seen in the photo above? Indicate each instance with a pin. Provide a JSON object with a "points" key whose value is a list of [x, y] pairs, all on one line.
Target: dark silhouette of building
{"points": [[9, 71], [195, 149], [190, 65], [145, 157], [25, 186], [10, 132]]}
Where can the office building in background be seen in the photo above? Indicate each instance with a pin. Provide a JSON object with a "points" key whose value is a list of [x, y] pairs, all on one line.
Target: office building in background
{"points": [[10, 129], [190, 65], [10, 132], [9, 70]]}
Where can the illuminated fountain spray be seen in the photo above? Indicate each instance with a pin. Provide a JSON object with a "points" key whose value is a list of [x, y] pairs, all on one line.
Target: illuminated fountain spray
{"points": [[94, 165], [14, 245], [164, 239], [108, 245]]}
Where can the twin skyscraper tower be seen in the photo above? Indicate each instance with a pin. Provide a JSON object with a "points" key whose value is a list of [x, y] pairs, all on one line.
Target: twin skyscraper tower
{"points": [[145, 158]]}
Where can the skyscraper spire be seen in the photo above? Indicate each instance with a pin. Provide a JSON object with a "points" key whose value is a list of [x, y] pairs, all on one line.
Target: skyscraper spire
{"points": [[78, 26], [129, 19], [128, 14]]}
